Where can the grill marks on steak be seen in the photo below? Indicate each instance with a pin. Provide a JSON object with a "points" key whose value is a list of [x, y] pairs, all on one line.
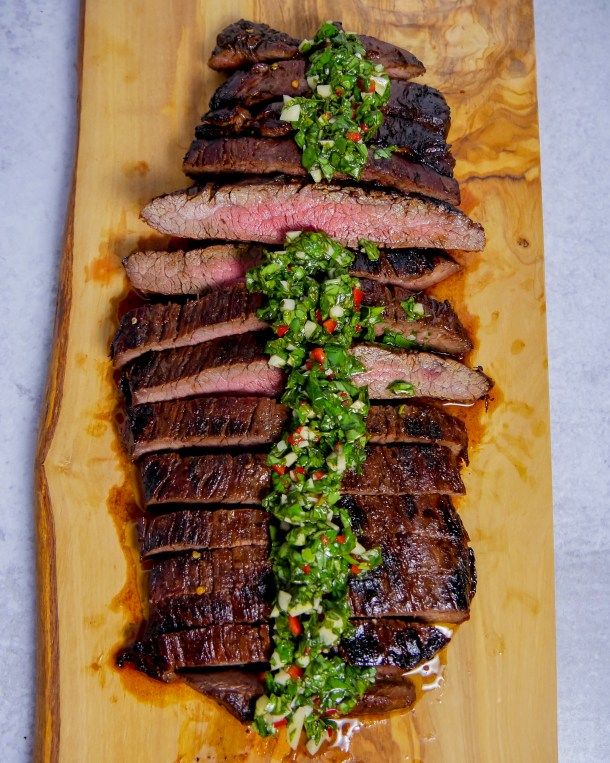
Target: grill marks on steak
{"points": [[232, 311], [265, 210], [196, 530], [197, 270], [245, 478], [268, 156], [245, 42], [217, 422], [223, 366], [190, 271], [155, 326]]}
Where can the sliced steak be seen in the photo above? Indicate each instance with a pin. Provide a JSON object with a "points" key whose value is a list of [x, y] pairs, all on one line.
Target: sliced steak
{"points": [[197, 270], [413, 269], [221, 366], [215, 646], [191, 271], [265, 210], [236, 689], [269, 156], [221, 312], [224, 366], [198, 530], [245, 478], [215, 422], [261, 84], [245, 42], [232, 311], [431, 375]]}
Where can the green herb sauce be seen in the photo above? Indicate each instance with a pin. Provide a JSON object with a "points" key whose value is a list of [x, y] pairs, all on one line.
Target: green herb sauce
{"points": [[334, 125], [314, 308]]}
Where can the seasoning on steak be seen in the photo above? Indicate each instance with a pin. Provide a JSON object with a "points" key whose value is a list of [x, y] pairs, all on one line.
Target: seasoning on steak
{"points": [[191, 271], [196, 530], [245, 478], [154, 326], [224, 366], [269, 156], [219, 422], [265, 210], [432, 376], [410, 138], [221, 366], [232, 311], [196, 270], [246, 42]]}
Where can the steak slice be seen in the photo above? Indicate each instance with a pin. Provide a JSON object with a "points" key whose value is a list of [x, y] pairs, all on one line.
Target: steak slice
{"points": [[410, 138], [375, 643], [268, 156], [431, 375], [246, 42], [157, 326], [197, 530], [215, 422], [261, 84], [232, 311], [223, 366], [266, 209], [197, 270], [191, 271], [220, 366], [245, 478]]}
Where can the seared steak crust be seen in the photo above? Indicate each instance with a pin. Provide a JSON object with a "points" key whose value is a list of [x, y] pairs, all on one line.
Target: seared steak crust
{"points": [[245, 478], [268, 156], [197, 530], [155, 326], [215, 422], [197, 270], [266, 209], [246, 42]]}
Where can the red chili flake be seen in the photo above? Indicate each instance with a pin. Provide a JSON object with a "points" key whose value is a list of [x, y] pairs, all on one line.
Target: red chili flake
{"points": [[279, 469], [318, 355], [357, 328], [364, 128], [329, 733], [294, 671], [280, 723], [354, 569], [353, 136], [282, 330], [309, 365], [306, 568], [357, 295], [341, 539], [299, 469], [338, 91], [331, 711], [330, 325], [318, 475], [318, 316], [371, 86], [324, 540], [294, 625]]}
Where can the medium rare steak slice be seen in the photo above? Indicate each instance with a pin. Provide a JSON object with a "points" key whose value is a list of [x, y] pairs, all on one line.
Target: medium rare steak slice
{"points": [[197, 270], [245, 42], [221, 366], [224, 366], [191, 271], [155, 326], [214, 422], [197, 530], [266, 209], [410, 138], [245, 478], [232, 311], [268, 156], [432, 376]]}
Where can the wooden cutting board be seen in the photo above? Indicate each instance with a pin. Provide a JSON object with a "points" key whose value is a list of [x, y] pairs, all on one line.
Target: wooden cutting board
{"points": [[144, 83]]}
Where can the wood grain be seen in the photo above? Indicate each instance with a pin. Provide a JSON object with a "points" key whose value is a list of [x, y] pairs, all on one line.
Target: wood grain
{"points": [[144, 83]]}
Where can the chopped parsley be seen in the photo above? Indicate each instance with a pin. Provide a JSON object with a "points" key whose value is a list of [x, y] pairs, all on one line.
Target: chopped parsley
{"points": [[414, 310], [402, 388], [334, 125], [314, 307]]}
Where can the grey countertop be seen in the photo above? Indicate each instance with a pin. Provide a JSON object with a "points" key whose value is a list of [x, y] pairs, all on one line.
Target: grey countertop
{"points": [[38, 50]]}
